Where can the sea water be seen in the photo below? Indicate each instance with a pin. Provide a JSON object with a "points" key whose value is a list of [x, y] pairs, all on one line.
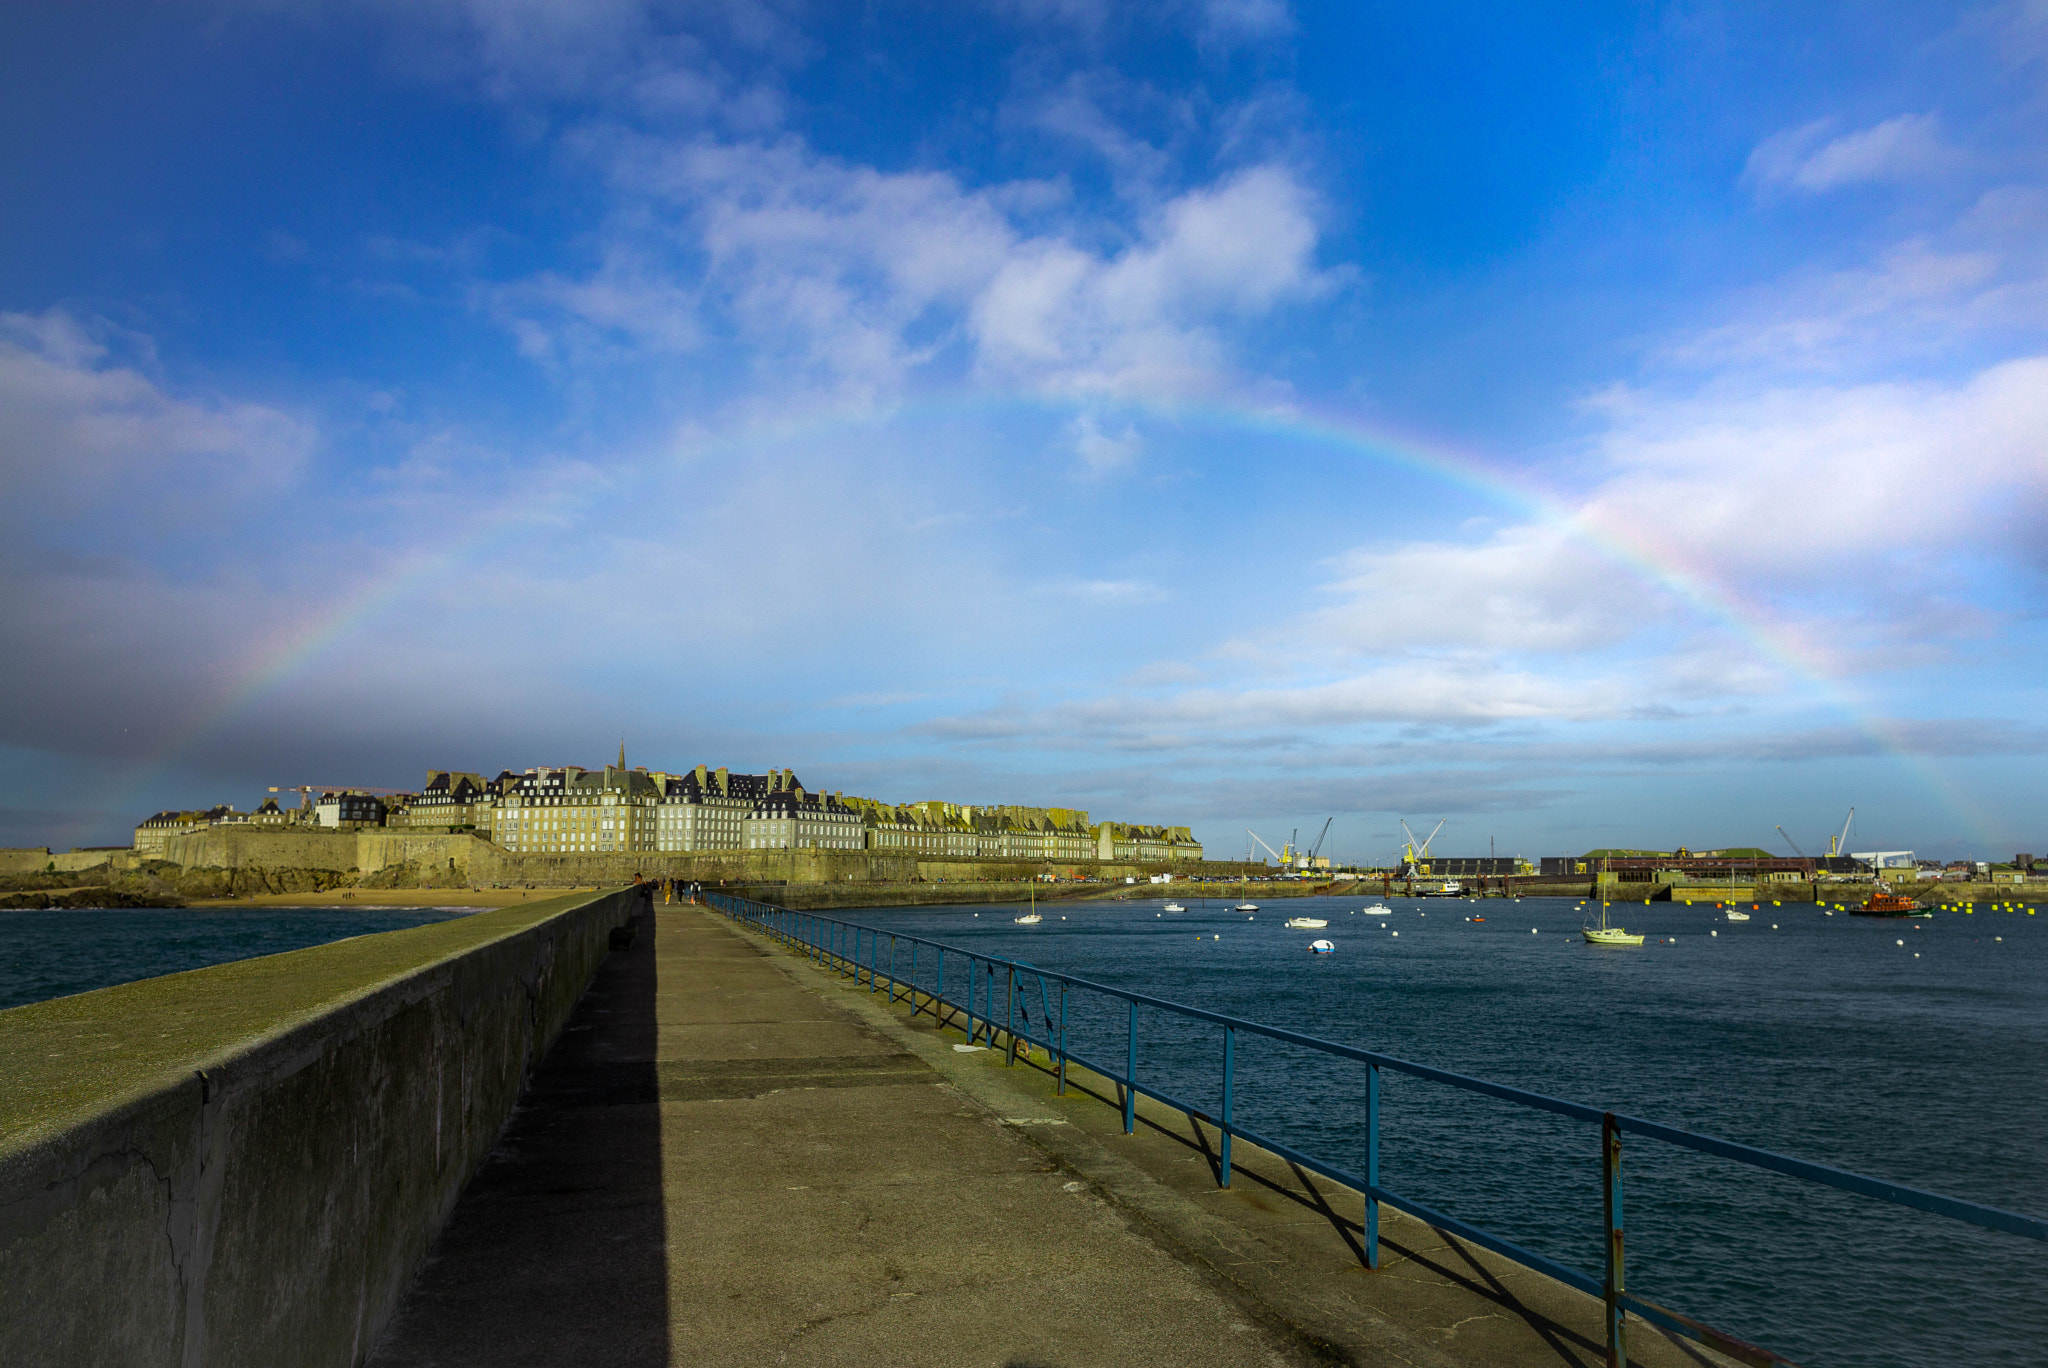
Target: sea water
{"points": [[1910, 1050], [72, 950]]}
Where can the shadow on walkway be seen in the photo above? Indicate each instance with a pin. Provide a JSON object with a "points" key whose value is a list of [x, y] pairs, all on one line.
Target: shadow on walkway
{"points": [[557, 1252]]}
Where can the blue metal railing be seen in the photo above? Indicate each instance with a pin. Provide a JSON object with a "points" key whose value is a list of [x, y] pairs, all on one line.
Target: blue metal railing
{"points": [[839, 944]]}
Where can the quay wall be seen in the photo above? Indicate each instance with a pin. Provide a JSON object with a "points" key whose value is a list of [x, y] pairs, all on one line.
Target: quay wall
{"points": [[245, 1164]]}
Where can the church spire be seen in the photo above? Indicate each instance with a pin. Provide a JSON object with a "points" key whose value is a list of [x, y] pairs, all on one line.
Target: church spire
{"points": [[622, 755]]}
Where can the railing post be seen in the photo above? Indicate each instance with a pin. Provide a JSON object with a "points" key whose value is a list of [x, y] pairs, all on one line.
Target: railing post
{"points": [[939, 998], [1610, 1172], [1131, 1076], [914, 947], [892, 966], [1009, 1012], [972, 965], [1229, 1063], [1063, 1039], [1371, 1227]]}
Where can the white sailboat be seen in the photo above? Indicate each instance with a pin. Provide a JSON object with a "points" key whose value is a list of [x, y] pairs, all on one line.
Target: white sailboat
{"points": [[1603, 934]]}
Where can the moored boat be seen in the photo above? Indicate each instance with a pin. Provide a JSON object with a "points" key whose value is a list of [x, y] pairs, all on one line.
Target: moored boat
{"points": [[1308, 923], [1028, 919], [1378, 910], [1247, 907], [1885, 903], [1321, 947], [1175, 907], [1603, 934]]}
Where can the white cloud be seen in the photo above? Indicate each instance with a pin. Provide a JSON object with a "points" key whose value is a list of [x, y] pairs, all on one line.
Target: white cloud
{"points": [[842, 278], [76, 425], [1526, 588], [1806, 158], [1101, 452], [1141, 322]]}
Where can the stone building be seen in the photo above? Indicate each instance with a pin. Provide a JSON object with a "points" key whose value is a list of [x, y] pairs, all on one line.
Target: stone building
{"points": [[574, 811], [1132, 844], [792, 819], [153, 833], [452, 800], [707, 809]]}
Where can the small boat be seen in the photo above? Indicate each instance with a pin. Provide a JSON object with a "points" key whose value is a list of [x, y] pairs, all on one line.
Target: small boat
{"points": [[1321, 947], [1308, 923], [1377, 910], [1247, 907], [1603, 934], [1028, 919], [1885, 903], [1733, 915], [1175, 907]]}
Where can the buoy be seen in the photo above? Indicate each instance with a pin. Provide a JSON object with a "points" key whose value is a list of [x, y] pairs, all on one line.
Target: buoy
{"points": [[1713, 933], [1397, 933], [1532, 930], [1916, 954], [1902, 942], [1774, 926]]}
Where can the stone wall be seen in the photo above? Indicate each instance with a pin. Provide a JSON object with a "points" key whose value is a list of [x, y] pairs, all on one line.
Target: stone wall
{"points": [[244, 1165]]}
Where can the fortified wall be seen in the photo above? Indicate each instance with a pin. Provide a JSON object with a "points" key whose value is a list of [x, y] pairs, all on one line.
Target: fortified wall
{"points": [[399, 857]]}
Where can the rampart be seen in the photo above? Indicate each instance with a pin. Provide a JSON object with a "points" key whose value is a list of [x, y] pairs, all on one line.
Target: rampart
{"points": [[437, 858], [244, 1165]]}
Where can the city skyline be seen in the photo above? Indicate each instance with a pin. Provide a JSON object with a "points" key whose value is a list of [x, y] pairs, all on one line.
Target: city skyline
{"points": [[1592, 427]]}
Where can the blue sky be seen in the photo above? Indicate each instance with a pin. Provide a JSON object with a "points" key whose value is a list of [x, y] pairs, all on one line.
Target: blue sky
{"points": [[1589, 425]]}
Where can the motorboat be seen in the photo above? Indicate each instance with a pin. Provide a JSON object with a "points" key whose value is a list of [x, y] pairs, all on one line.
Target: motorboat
{"points": [[1377, 910], [1175, 907], [1603, 934], [1028, 919], [1885, 903], [1733, 915], [1308, 923], [1321, 947]]}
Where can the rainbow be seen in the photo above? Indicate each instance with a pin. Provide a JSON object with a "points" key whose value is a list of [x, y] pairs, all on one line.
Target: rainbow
{"points": [[1656, 565]]}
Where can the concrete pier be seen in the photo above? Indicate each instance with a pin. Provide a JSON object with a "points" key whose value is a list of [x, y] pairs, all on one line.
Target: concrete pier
{"points": [[734, 1157]]}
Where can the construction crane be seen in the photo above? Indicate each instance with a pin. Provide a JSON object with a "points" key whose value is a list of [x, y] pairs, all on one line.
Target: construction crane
{"points": [[1790, 842], [1411, 854], [1316, 850], [310, 789], [1840, 844], [1260, 842]]}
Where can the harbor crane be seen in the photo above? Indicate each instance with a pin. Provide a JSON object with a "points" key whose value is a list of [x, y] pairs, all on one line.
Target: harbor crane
{"points": [[1317, 850], [1260, 842], [1412, 854], [1790, 842], [1839, 845]]}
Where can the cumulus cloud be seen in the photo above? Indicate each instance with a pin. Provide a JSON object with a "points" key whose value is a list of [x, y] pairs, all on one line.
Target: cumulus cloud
{"points": [[1808, 159], [848, 279]]}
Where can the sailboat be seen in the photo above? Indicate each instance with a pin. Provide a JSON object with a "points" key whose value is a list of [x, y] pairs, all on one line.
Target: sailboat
{"points": [[1030, 918], [1603, 934]]}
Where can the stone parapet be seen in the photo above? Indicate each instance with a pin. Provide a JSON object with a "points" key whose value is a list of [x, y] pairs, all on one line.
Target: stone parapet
{"points": [[245, 1164]]}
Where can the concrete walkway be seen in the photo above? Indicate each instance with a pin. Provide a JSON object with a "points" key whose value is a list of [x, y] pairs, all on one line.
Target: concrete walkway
{"points": [[735, 1158], [718, 1167]]}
